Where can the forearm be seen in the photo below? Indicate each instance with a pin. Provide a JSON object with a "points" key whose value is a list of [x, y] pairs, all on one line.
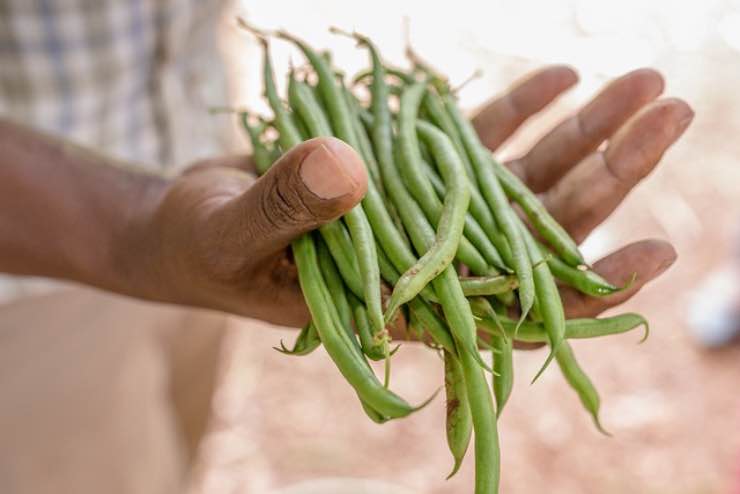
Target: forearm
{"points": [[66, 212]]}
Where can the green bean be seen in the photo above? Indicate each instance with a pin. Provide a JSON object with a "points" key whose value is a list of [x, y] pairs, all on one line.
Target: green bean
{"points": [[496, 199], [589, 328], [260, 154], [551, 231], [364, 146], [306, 342], [584, 280], [389, 273], [533, 332], [502, 350], [336, 289], [449, 229], [303, 101], [400, 74], [473, 231], [487, 285], [503, 368], [274, 153], [420, 309], [437, 114], [487, 453], [288, 134], [580, 382], [426, 158], [437, 183], [364, 244], [298, 123], [373, 414], [366, 118], [410, 165], [550, 306], [459, 421]]}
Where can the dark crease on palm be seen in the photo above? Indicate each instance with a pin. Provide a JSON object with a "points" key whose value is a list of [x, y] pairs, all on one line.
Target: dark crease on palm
{"points": [[580, 181]]}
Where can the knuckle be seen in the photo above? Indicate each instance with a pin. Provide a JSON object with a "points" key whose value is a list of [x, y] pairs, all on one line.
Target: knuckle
{"points": [[283, 206]]}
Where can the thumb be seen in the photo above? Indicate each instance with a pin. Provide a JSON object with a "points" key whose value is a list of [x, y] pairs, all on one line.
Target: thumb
{"points": [[312, 184]]}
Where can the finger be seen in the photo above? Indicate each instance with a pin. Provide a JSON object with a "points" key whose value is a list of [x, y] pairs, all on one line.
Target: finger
{"points": [[312, 184], [498, 120], [241, 162], [644, 260], [590, 192], [578, 136]]}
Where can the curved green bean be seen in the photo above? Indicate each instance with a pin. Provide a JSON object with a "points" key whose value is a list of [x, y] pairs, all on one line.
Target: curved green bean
{"points": [[580, 382]]}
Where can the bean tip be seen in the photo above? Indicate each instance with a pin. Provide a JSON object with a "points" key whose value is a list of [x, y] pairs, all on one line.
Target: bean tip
{"points": [[455, 468]]}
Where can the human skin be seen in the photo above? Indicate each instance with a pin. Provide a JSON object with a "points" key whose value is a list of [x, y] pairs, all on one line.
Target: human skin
{"points": [[217, 237]]}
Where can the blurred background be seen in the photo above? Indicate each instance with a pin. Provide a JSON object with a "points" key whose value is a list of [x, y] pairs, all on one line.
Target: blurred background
{"points": [[672, 406]]}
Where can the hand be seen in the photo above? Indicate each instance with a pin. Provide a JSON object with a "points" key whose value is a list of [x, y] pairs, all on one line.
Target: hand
{"points": [[580, 183], [221, 236]]}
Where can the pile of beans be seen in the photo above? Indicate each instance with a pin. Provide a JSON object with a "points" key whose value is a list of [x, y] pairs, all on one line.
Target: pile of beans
{"points": [[437, 203]]}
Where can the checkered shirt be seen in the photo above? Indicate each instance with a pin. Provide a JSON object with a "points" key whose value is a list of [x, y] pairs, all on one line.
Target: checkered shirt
{"points": [[131, 78]]}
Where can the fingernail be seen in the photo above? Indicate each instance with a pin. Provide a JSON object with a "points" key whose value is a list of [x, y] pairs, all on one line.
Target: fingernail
{"points": [[685, 121], [326, 171]]}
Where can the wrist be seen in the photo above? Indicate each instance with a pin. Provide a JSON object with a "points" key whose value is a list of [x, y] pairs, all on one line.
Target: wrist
{"points": [[135, 247]]}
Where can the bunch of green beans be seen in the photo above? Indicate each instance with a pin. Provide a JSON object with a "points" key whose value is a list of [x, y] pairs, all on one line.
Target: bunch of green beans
{"points": [[437, 201]]}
